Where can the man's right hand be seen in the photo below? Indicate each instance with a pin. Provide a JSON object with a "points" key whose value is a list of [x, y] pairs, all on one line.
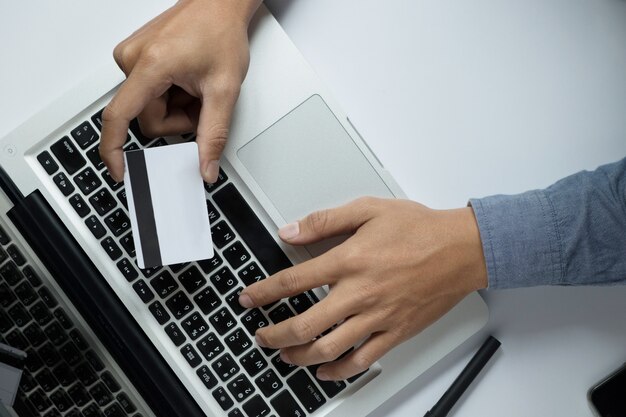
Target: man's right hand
{"points": [[184, 70]]}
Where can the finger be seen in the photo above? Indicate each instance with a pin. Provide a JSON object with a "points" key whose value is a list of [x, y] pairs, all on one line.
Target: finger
{"points": [[305, 326], [213, 127], [159, 118], [132, 97], [358, 360], [323, 224], [291, 281], [329, 347]]}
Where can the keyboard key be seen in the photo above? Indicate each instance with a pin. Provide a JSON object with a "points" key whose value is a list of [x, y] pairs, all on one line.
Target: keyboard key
{"points": [[210, 346], [127, 269], [254, 320], [85, 374], [268, 383], [306, 391], [48, 164], [16, 339], [224, 280], [286, 406], [131, 146], [78, 339], [212, 211], [102, 201], [175, 334], [41, 313], [27, 382], [70, 353], [221, 179], [19, 315], [61, 400], [10, 273], [280, 313], [206, 376], [256, 407], [253, 362], [283, 368], [63, 319], [93, 155], [236, 255], [123, 199], [34, 334], [126, 403], [46, 380], [222, 398], [84, 135], [148, 272], [143, 291], [87, 181], [47, 297], [179, 305], [5, 321], [207, 300], [158, 311], [225, 367], [92, 410], [63, 184], [111, 248], [192, 279], [55, 333], [16, 255], [222, 234], [25, 293], [111, 182], [128, 243], [117, 222], [80, 207], [33, 361], [238, 342], [136, 130], [191, 355], [39, 400], [68, 155], [235, 412], [240, 387], [164, 284], [110, 381], [4, 238], [209, 265], [303, 302], [101, 394], [64, 375], [250, 228], [194, 326], [114, 410], [95, 227], [222, 321], [94, 360], [3, 255], [97, 119], [31, 276], [232, 300], [7, 297], [79, 395], [176, 268]]}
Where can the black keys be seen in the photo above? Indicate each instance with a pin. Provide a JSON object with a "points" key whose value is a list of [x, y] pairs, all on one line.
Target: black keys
{"points": [[286, 406], [49, 354], [224, 280], [47, 297], [179, 305], [16, 255], [126, 403], [117, 222], [95, 227], [222, 321], [63, 184], [250, 228], [7, 297], [128, 243], [46, 380], [222, 234], [64, 375], [251, 274], [3, 255], [194, 326], [210, 346], [209, 265], [85, 374], [19, 315], [143, 291], [70, 354], [68, 155], [236, 255], [79, 394], [93, 155], [78, 340], [41, 313], [238, 342], [63, 319], [111, 248], [306, 391], [221, 179], [87, 181], [84, 135], [127, 269], [225, 367], [5, 321], [176, 268], [25, 293], [78, 204], [175, 334], [283, 368], [158, 311], [10, 273], [94, 361], [254, 320], [103, 201], [280, 313], [269, 383], [34, 334], [191, 355], [240, 387], [164, 284], [55, 333], [48, 164], [17, 340], [148, 272], [97, 119], [31, 276], [253, 362], [114, 410], [61, 400], [222, 398], [39, 400], [235, 412], [111, 182], [303, 302], [233, 301], [123, 199], [134, 127], [256, 407], [206, 376], [192, 279], [4, 238], [101, 394], [212, 211], [207, 300]]}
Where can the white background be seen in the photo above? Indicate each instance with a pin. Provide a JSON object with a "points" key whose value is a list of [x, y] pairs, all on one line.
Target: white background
{"points": [[458, 100]]}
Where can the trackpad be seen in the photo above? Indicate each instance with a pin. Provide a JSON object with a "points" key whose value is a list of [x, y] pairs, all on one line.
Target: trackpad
{"points": [[307, 161]]}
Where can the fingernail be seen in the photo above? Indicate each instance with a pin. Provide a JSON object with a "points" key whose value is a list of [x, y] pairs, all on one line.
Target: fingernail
{"points": [[289, 231], [284, 357], [322, 376], [245, 301], [211, 171]]}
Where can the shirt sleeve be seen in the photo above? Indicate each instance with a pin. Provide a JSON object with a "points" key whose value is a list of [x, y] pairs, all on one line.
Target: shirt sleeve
{"points": [[571, 233]]}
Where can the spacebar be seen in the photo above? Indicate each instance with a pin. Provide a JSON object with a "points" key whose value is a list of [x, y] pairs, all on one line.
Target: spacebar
{"points": [[250, 228]]}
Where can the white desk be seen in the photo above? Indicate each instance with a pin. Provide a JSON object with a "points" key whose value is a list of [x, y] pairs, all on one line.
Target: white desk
{"points": [[458, 99]]}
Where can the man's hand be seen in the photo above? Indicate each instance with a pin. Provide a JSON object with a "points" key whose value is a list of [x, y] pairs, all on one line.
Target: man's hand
{"points": [[402, 268], [184, 71]]}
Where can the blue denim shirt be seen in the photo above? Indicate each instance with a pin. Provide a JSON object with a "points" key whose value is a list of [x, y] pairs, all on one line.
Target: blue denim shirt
{"points": [[571, 233]]}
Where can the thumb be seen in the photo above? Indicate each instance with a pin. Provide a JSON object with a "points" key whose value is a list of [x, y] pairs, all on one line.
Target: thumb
{"points": [[213, 128], [327, 223]]}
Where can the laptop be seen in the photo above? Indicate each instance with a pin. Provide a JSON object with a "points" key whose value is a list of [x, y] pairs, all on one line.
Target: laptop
{"points": [[104, 337]]}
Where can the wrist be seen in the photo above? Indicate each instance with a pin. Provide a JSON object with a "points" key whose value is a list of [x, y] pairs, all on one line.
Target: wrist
{"points": [[474, 265]]}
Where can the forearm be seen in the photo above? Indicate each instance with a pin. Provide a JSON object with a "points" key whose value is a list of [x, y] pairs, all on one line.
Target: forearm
{"points": [[571, 233]]}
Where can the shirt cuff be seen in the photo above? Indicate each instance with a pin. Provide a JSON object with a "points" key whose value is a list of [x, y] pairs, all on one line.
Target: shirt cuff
{"points": [[520, 239]]}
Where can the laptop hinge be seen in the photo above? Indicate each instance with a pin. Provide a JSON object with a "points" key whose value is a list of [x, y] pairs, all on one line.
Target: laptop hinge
{"points": [[101, 308]]}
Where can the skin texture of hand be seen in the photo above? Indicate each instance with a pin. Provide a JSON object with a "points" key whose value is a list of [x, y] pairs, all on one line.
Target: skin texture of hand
{"points": [[403, 266], [184, 71]]}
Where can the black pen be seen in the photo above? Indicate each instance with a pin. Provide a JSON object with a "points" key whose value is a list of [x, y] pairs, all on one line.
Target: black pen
{"points": [[465, 378]]}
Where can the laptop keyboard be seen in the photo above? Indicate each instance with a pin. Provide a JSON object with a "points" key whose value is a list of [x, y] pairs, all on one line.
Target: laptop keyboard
{"points": [[63, 375], [196, 304]]}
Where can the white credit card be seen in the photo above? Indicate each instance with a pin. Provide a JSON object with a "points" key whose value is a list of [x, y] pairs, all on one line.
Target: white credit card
{"points": [[166, 202]]}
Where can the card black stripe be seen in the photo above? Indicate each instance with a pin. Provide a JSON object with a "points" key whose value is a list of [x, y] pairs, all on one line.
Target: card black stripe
{"points": [[144, 210]]}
